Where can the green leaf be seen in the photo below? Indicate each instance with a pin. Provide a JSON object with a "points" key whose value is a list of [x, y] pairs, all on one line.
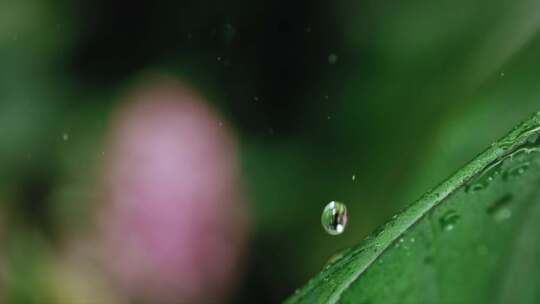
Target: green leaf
{"points": [[472, 239]]}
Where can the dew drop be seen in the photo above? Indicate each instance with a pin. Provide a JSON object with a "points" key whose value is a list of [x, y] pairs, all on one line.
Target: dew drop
{"points": [[337, 256], [500, 210], [448, 220], [516, 171], [334, 218], [475, 187]]}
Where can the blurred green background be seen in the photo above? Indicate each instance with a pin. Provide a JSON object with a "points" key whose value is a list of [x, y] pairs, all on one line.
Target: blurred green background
{"points": [[365, 102]]}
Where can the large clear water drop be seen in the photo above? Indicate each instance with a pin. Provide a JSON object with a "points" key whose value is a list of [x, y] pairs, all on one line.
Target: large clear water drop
{"points": [[334, 218]]}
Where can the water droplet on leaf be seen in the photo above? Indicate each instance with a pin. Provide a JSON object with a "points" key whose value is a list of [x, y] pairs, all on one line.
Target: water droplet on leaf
{"points": [[516, 171], [500, 210], [448, 220], [334, 218]]}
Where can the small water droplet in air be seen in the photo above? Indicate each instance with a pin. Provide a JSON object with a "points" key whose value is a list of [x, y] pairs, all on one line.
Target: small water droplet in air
{"points": [[500, 209], [448, 220], [219, 58], [353, 177], [325, 96], [502, 74], [256, 98], [227, 32], [220, 124], [332, 58], [334, 218], [308, 29], [412, 240], [65, 137], [328, 117]]}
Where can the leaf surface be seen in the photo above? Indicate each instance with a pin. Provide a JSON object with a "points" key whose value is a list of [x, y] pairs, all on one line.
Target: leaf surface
{"points": [[472, 239]]}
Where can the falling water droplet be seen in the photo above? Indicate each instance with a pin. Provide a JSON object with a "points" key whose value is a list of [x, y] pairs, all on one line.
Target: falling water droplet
{"points": [[334, 218], [353, 177], [228, 33], [332, 58], [65, 137], [448, 220]]}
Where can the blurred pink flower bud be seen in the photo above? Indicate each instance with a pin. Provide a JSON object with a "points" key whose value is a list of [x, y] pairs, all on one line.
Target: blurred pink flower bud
{"points": [[174, 217]]}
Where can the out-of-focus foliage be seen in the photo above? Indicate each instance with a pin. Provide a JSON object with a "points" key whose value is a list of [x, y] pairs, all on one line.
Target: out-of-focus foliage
{"points": [[397, 94]]}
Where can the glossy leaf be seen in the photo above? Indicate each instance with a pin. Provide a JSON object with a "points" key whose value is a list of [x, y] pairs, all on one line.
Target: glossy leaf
{"points": [[472, 239]]}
